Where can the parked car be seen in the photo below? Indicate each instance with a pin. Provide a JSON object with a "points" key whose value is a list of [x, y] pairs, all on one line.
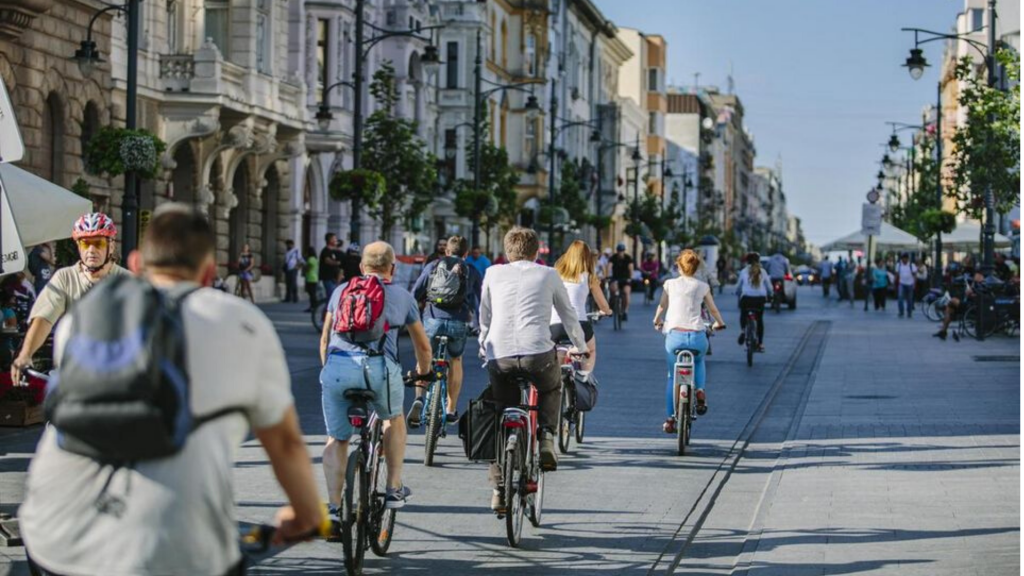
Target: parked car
{"points": [[806, 276], [788, 287]]}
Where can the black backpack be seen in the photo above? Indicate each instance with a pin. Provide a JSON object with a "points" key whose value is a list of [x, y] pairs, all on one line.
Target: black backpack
{"points": [[448, 283], [121, 392]]}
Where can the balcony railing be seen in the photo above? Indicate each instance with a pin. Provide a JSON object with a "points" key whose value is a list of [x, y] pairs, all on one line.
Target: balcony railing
{"points": [[177, 71]]}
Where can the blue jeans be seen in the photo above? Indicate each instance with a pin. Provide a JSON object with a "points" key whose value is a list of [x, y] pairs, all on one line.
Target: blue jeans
{"points": [[455, 330], [329, 287], [344, 371], [697, 342], [906, 293]]}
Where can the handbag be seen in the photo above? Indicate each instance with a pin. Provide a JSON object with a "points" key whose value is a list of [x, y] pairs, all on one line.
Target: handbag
{"points": [[586, 391], [478, 427]]}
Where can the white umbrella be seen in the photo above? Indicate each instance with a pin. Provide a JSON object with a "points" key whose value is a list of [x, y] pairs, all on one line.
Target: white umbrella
{"points": [[891, 238], [967, 237], [34, 211]]}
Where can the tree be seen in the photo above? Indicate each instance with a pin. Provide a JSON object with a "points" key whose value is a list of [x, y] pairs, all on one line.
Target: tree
{"points": [[986, 151], [496, 201], [392, 149], [651, 217], [570, 207]]}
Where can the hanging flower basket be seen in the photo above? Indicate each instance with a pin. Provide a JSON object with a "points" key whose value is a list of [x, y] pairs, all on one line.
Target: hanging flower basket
{"points": [[114, 151], [358, 184]]}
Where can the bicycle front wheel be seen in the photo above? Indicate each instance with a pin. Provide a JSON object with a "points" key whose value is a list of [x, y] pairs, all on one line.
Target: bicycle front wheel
{"points": [[932, 311], [382, 519], [355, 512], [318, 315], [535, 489], [514, 481], [565, 420], [434, 416], [617, 311], [682, 423]]}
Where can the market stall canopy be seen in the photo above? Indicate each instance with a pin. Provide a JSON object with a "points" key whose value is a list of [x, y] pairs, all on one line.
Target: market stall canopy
{"points": [[967, 238], [34, 211], [891, 238]]}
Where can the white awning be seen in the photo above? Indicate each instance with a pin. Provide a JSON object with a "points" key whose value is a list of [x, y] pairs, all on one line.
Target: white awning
{"points": [[41, 210], [891, 238], [967, 238]]}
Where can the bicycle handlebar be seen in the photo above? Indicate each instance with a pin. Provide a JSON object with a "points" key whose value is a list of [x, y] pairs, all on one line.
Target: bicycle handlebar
{"points": [[258, 539], [411, 379], [26, 373]]}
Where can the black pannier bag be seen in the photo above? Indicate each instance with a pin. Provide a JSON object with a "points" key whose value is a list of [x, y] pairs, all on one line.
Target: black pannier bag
{"points": [[478, 427]]}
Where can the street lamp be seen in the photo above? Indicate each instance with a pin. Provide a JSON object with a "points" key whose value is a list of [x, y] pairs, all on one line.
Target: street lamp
{"points": [[915, 65], [88, 58], [636, 157]]}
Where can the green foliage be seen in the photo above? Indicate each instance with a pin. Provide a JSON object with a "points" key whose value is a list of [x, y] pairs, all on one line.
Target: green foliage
{"points": [[908, 214], [113, 151], [934, 221], [496, 201], [987, 147], [654, 218], [392, 149], [361, 184]]}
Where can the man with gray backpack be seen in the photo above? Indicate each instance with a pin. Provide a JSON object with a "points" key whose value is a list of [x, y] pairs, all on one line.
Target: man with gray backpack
{"points": [[159, 380], [450, 289]]}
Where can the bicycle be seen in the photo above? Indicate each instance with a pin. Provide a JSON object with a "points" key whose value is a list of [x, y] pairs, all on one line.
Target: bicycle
{"points": [[617, 308], [571, 420], [522, 479], [750, 336], [434, 412], [778, 292], [683, 392], [318, 315], [366, 521], [650, 285]]}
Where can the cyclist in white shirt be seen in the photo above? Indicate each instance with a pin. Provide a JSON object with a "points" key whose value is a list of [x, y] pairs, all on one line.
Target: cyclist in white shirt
{"points": [[754, 289], [577, 271], [681, 301]]}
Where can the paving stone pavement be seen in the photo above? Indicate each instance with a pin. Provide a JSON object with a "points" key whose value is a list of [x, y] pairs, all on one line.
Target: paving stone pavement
{"points": [[884, 451]]}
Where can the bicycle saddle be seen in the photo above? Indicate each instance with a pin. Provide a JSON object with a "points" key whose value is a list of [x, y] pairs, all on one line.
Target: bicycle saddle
{"points": [[360, 394]]}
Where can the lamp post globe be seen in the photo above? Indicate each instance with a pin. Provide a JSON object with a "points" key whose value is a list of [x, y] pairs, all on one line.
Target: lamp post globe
{"points": [[894, 143], [916, 63], [532, 108], [323, 118], [87, 57], [431, 60]]}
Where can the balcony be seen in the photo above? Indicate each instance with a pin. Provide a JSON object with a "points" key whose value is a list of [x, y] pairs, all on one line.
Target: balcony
{"points": [[176, 72], [16, 16]]}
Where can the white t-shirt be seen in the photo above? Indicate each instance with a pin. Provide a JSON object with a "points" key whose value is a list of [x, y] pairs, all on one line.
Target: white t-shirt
{"points": [[578, 292], [178, 512], [685, 296], [907, 273]]}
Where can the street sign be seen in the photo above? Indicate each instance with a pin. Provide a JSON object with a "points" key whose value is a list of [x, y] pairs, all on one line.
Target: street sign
{"points": [[12, 148], [871, 220]]}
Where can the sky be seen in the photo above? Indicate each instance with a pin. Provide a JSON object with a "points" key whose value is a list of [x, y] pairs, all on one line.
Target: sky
{"points": [[818, 79]]}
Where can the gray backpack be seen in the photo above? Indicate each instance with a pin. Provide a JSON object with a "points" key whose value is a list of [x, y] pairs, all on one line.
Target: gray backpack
{"points": [[446, 288], [121, 392]]}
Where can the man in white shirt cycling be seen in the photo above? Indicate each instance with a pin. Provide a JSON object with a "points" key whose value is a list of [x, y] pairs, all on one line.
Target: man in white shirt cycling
{"points": [[515, 313]]}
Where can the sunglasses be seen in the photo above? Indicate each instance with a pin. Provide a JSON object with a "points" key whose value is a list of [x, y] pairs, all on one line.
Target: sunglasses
{"points": [[98, 243]]}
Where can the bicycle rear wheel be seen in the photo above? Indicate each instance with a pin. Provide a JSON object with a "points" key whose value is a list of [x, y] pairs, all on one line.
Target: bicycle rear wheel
{"points": [[932, 311], [434, 416], [565, 420], [581, 422], [682, 422], [355, 511], [751, 340], [382, 520], [617, 311], [513, 479], [535, 498]]}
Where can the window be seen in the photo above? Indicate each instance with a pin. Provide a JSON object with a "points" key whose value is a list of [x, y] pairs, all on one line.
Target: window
{"points": [[451, 152], [652, 80], [503, 126], [652, 123], [494, 34], [90, 124], [218, 24], [52, 166], [977, 19], [504, 45], [530, 146], [172, 26], [452, 65], [531, 55], [321, 53], [263, 37]]}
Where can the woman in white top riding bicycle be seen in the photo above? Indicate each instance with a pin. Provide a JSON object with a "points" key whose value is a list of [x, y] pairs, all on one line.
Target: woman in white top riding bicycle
{"points": [[753, 289], [576, 267], [681, 301]]}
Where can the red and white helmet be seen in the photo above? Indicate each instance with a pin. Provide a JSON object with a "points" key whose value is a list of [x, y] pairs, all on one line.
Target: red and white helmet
{"points": [[92, 225]]}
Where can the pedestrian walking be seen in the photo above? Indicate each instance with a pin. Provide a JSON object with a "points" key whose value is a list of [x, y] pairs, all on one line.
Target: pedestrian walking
{"points": [[350, 262], [922, 280], [41, 264], [311, 270], [246, 264], [477, 259], [292, 265], [840, 278], [330, 263], [826, 276], [879, 284], [440, 250], [906, 278]]}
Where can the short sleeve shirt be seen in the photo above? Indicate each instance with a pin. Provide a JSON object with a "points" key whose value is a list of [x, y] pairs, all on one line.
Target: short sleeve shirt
{"points": [[685, 296], [330, 272], [400, 309], [179, 512], [312, 270], [68, 285], [620, 266]]}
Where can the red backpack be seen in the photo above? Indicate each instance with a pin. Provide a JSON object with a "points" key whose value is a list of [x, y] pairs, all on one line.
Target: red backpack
{"points": [[360, 313]]}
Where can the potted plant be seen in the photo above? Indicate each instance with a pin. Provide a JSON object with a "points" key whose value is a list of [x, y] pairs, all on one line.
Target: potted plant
{"points": [[114, 151], [359, 184]]}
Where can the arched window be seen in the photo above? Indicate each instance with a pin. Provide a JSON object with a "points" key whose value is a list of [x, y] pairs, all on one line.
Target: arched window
{"points": [[271, 196], [264, 38], [183, 178], [503, 125], [239, 221], [90, 124], [52, 162], [494, 41]]}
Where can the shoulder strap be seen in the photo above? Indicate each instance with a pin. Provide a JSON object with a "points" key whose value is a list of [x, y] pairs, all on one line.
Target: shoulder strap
{"points": [[216, 414]]}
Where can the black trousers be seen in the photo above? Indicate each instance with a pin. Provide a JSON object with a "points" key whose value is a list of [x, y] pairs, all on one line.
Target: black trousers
{"points": [[542, 370], [756, 304], [291, 285], [879, 294]]}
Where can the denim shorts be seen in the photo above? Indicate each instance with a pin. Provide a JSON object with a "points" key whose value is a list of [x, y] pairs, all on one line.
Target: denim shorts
{"points": [[344, 371], [455, 330]]}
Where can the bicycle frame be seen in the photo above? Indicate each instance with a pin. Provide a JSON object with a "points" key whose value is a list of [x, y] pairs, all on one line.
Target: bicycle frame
{"points": [[439, 366], [683, 375]]}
